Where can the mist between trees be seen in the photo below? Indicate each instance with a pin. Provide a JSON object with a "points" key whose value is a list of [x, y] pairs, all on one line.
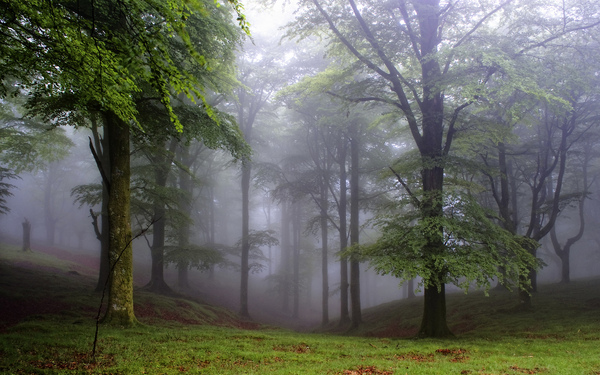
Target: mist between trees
{"points": [[303, 175]]}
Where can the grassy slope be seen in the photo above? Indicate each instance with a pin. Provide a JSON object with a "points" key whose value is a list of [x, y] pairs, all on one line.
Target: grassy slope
{"points": [[47, 326]]}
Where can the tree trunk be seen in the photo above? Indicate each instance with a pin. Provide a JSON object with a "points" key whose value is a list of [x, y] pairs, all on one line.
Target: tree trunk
{"points": [[120, 298], [49, 220], [285, 257], [324, 256], [185, 184], [354, 228], [99, 149], [103, 273], [26, 235], [344, 313], [162, 166], [157, 282], [434, 313], [245, 269], [410, 289], [296, 229]]}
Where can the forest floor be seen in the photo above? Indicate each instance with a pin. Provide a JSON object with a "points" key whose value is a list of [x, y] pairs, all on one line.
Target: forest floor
{"points": [[48, 313]]}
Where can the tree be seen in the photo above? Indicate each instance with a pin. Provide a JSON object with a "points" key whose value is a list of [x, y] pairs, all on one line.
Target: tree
{"points": [[96, 55], [429, 61]]}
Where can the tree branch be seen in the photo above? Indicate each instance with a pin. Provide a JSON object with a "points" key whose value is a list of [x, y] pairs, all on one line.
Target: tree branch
{"points": [[413, 197]]}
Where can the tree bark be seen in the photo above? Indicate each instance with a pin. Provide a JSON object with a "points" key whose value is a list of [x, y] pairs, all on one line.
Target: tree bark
{"points": [[99, 149], [245, 268], [162, 167], [434, 313], [26, 235], [354, 227], [296, 230], [185, 184], [120, 298], [342, 209], [285, 257], [324, 256]]}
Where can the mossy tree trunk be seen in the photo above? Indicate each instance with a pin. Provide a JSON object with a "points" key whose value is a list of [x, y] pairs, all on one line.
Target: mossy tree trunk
{"points": [[120, 298]]}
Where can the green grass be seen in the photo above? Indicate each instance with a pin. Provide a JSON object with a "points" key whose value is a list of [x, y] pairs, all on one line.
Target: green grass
{"points": [[560, 335]]}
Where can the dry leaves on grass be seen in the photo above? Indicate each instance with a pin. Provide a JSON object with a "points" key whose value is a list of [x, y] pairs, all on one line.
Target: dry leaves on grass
{"points": [[300, 348], [457, 355], [360, 370]]}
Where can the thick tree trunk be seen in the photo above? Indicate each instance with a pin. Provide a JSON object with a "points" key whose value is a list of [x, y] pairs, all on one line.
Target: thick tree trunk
{"points": [[245, 269], [433, 323], [434, 313], [120, 298]]}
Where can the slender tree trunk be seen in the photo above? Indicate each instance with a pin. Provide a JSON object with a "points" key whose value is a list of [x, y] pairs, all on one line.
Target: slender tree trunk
{"points": [[162, 167], [103, 273], [49, 220], [157, 282], [99, 148], [120, 298], [342, 209], [296, 229], [354, 228], [285, 257], [185, 184], [324, 255], [245, 269], [26, 235], [410, 292]]}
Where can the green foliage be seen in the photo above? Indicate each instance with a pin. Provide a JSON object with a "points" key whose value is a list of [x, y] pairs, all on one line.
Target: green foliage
{"points": [[472, 246], [29, 143], [87, 195], [104, 51], [5, 174], [200, 257]]}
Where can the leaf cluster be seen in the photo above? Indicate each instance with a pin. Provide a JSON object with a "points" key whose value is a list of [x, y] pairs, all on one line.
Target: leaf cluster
{"points": [[472, 246]]}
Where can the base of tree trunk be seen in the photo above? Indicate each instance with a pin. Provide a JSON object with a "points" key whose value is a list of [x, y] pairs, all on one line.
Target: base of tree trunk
{"points": [[159, 287], [119, 319], [344, 322], [434, 323]]}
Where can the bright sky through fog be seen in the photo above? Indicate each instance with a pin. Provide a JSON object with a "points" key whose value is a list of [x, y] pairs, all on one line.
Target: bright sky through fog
{"points": [[266, 21]]}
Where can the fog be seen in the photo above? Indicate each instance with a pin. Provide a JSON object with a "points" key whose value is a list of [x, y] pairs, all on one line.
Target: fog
{"points": [[296, 140]]}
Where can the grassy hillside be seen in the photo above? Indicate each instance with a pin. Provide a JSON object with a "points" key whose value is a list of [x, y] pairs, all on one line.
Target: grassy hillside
{"points": [[47, 327]]}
